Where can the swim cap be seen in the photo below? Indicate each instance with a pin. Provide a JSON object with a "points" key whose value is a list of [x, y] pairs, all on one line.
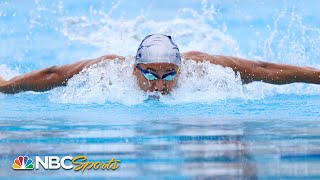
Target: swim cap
{"points": [[157, 48]]}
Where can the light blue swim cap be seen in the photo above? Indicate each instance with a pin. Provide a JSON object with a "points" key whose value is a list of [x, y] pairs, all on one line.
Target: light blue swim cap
{"points": [[158, 48]]}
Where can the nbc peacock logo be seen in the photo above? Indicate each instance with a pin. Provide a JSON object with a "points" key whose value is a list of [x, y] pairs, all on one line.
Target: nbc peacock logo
{"points": [[22, 163]]}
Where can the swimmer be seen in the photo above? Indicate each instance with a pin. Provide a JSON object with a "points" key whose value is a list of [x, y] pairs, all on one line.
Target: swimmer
{"points": [[157, 68]]}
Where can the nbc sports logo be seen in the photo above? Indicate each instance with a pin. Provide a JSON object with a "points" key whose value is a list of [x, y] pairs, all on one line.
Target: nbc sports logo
{"points": [[79, 163], [22, 163]]}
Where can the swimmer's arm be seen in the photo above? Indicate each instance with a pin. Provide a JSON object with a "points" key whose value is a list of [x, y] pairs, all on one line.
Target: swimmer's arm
{"points": [[261, 71], [49, 78], [274, 73]]}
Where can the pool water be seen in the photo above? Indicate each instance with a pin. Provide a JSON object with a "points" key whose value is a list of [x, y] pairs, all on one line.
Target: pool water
{"points": [[227, 139], [211, 126]]}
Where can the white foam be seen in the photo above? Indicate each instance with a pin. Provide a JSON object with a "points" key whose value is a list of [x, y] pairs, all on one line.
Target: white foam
{"points": [[107, 81], [205, 82]]}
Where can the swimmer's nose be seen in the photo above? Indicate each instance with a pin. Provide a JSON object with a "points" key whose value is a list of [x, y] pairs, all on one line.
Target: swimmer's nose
{"points": [[160, 85]]}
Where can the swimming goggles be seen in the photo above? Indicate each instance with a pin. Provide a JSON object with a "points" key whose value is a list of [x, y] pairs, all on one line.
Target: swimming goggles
{"points": [[151, 76]]}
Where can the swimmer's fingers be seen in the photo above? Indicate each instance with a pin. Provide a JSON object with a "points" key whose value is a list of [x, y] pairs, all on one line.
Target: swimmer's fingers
{"points": [[2, 80]]}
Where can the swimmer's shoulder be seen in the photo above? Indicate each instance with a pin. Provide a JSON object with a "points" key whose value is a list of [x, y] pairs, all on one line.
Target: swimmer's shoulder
{"points": [[107, 57], [111, 57], [194, 55], [199, 56], [76, 67]]}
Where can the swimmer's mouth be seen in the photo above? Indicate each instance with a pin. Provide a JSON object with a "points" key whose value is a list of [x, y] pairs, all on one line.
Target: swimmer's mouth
{"points": [[161, 92], [164, 92]]}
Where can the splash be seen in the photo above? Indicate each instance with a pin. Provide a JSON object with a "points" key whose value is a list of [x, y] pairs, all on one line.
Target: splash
{"points": [[297, 43], [112, 81], [107, 81], [123, 36], [205, 82], [7, 72], [200, 82]]}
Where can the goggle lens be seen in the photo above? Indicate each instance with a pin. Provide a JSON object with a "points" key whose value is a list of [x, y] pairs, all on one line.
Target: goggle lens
{"points": [[149, 76]]}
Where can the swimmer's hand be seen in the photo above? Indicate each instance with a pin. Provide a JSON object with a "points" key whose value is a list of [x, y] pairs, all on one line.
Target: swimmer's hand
{"points": [[2, 81]]}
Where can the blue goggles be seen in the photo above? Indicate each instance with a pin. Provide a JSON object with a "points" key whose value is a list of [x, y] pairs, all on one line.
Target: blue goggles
{"points": [[151, 76]]}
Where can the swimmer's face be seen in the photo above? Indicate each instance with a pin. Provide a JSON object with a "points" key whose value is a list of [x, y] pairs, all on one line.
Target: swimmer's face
{"points": [[160, 69]]}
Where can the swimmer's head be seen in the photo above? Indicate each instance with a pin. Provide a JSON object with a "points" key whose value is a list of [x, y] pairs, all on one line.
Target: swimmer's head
{"points": [[158, 48], [157, 63]]}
